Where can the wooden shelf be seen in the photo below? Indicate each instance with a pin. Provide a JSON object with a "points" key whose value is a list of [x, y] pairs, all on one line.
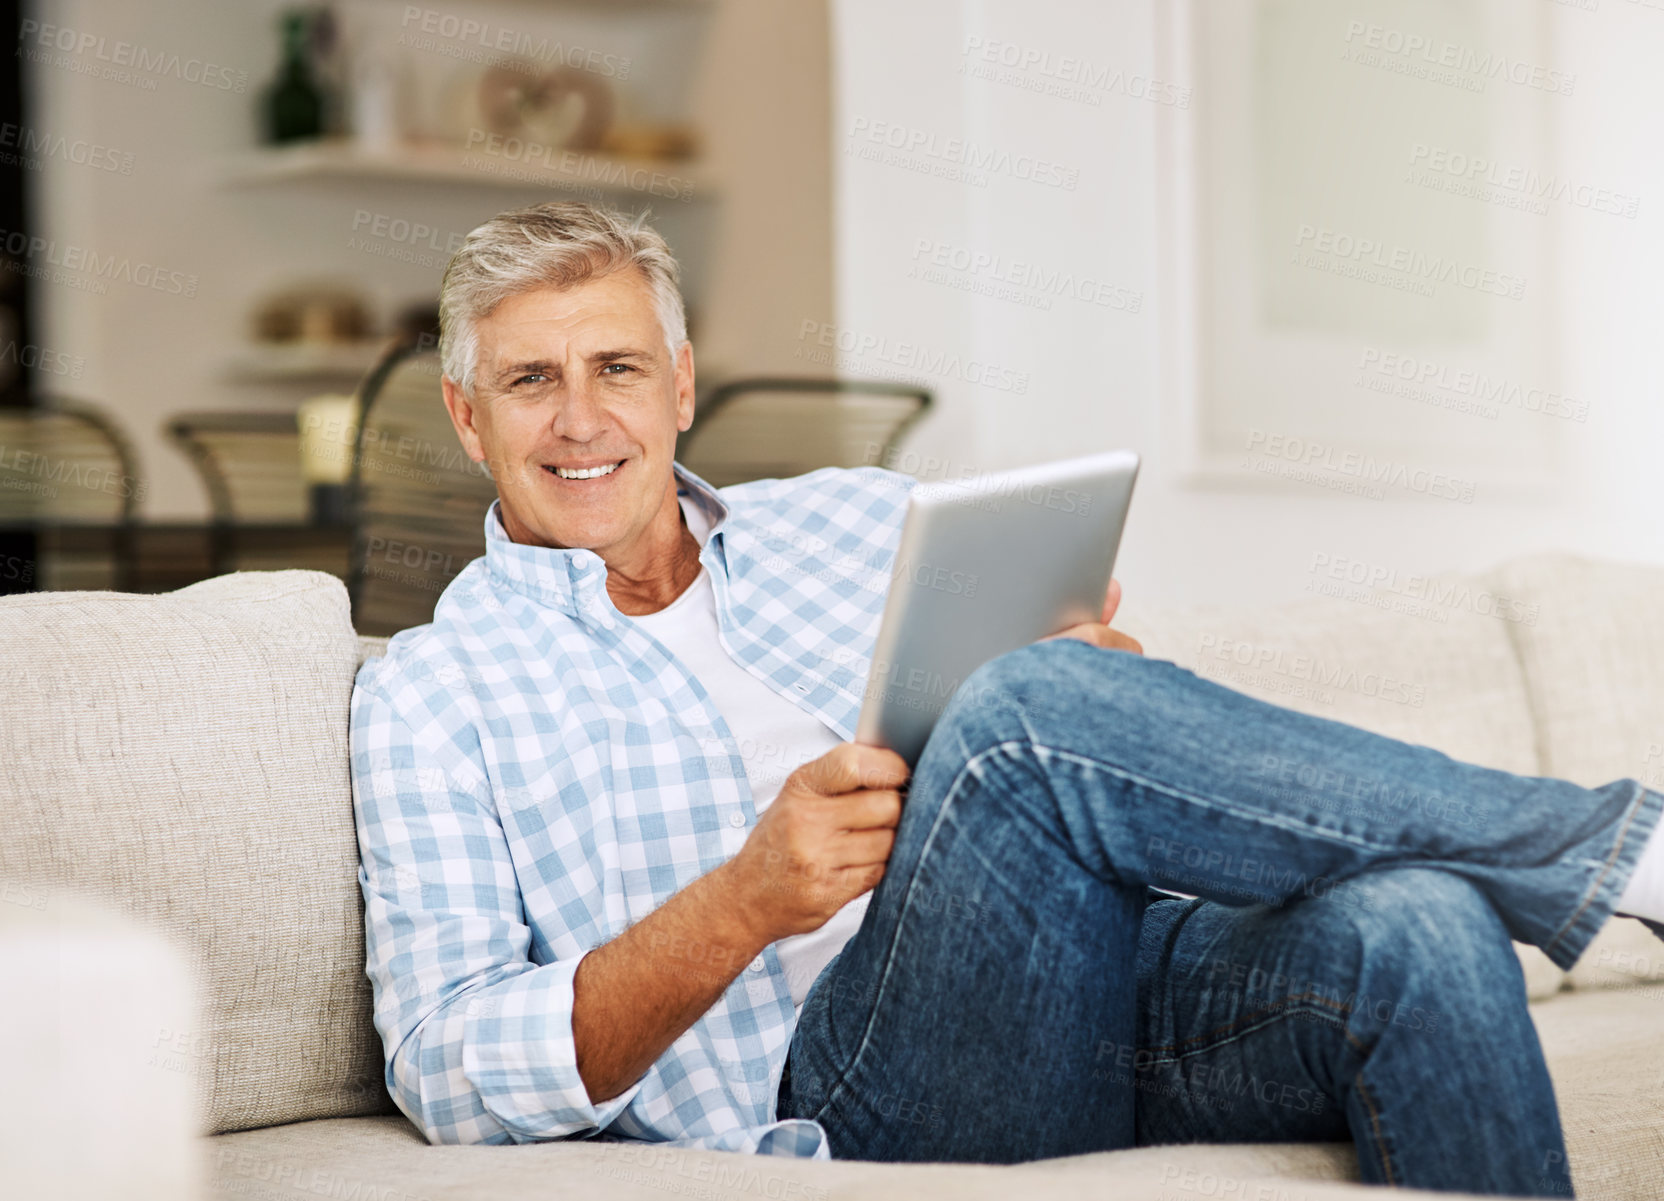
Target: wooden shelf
{"points": [[281, 361], [573, 171]]}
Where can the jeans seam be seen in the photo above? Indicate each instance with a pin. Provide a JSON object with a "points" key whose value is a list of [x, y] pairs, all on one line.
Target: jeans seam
{"points": [[1375, 1128], [1252, 1023], [1214, 803], [1593, 890]]}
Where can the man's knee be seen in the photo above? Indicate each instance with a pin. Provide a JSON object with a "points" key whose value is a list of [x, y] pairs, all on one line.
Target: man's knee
{"points": [[1041, 674], [1432, 943]]}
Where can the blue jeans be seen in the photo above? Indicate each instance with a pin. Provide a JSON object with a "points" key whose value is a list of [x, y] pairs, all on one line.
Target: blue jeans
{"points": [[1018, 989]]}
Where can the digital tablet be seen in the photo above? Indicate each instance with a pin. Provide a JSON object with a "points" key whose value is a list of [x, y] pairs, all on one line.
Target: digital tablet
{"points": [[987, 565]]}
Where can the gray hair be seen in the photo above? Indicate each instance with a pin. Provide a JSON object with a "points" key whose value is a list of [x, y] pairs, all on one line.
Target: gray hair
{"points": [[559, 244]]}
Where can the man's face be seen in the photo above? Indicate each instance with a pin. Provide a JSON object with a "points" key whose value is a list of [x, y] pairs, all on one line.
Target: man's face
{"points": [[577, 382]]}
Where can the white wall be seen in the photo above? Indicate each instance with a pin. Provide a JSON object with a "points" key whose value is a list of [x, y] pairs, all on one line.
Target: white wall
{"points": [[1095, 375]]}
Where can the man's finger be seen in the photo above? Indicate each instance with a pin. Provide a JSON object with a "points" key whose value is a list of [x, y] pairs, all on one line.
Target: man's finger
{"points": [[863, 848], [1100, 635], [874, 809], [1117, 641], [1112, 601]]}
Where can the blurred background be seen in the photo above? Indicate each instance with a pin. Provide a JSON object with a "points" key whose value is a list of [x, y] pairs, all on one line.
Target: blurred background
{"points": [[1373, 285]]}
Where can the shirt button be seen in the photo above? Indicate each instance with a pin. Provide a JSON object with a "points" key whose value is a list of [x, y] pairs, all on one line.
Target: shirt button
{"points": [[736, 819], [757, 964]]}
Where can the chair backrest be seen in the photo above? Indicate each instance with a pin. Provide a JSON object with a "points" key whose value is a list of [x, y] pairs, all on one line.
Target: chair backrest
{"points": [[69, 495], [249, 464], [753, 429], [64, 465], [418, 501]]}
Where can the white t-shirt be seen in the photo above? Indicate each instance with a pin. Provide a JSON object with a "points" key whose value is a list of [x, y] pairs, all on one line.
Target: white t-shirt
{"points": [[775, 738]]}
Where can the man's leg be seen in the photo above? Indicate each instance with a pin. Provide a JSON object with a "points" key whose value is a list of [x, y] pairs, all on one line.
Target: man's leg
{"points": [[1062, 778], [1401, 1022]]}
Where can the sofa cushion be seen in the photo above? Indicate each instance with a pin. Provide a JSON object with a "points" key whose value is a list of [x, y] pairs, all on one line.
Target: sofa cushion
{"points": [[1605, 1051], [184, 757], [381, 1157]]}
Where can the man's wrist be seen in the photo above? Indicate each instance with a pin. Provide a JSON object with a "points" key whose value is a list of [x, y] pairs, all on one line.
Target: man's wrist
{"points": [[743, 908]]}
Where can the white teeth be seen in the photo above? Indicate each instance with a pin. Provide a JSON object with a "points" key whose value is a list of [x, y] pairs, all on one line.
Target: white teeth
{"points": [[585, 473]]}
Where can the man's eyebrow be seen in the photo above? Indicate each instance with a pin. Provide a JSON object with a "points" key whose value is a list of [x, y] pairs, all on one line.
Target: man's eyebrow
{"points": [[615, 356], [531, 366]]}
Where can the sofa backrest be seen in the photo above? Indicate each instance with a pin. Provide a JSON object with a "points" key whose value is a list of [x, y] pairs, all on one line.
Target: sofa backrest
{"points": [[184, 758], [1442, 675]]}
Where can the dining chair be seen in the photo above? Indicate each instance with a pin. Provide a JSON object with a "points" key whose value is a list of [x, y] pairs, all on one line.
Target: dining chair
{"points": [[417, 502], [779, 426], [69, 496]]}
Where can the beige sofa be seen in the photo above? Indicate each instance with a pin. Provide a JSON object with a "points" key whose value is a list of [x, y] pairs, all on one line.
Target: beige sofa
{"points": [[183, 759]]}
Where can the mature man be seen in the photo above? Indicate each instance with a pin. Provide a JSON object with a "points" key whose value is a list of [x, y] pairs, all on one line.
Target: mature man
{"points": [[620, 858]]}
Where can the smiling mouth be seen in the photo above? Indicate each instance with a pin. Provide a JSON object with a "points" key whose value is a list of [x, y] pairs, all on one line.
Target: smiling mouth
{"points": [[584, 473]]}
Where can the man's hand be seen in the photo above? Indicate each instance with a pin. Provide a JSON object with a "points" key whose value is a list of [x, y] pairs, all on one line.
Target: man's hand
{"points": [[823, 841], [1098, 633]]}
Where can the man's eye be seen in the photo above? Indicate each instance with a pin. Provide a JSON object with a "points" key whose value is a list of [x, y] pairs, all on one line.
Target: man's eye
{"points": [[620, 368], [536, 377]]}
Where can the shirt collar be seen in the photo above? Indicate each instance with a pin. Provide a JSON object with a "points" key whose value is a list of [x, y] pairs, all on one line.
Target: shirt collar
{"points": [[576, 579]]}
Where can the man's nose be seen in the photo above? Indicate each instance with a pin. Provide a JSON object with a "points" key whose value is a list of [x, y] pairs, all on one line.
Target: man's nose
{"points": [[580, 416]]}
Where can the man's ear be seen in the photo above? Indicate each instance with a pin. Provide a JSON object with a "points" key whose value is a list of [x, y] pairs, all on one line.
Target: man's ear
{"points": [[462, 411], [684, 386]]}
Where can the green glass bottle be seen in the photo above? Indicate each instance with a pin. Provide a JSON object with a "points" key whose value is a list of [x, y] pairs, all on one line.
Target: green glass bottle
{"points": [[294, 104]]}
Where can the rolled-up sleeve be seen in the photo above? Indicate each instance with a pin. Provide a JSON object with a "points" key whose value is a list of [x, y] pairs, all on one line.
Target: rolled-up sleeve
{"points": [[477, 1037]]}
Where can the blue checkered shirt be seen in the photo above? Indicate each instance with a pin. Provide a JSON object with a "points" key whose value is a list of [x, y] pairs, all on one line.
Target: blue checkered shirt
{"points": [[533, 772]]}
